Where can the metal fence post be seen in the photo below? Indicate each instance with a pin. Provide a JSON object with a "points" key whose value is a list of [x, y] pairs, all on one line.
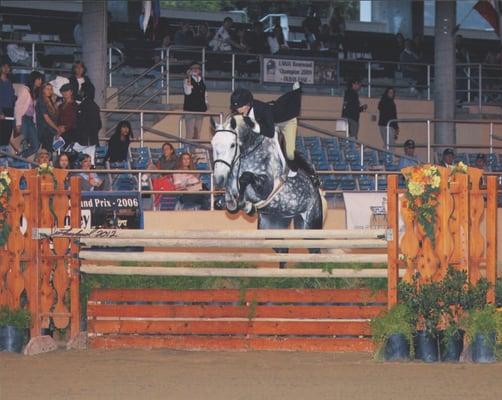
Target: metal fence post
{"points": [[180, 124], [203, 63], [469, 84], [141, 130], [491, 137], [212, 191], [109, 67], [362, 155], [428, 81], [369, 78], [33, 55], [388, 136], [162, 69], [167, 75], [480, 91], [428, 140], [233, 72], [376, 182]]}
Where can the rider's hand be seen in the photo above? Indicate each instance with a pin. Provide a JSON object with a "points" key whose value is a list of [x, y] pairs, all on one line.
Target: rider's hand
{"points": [[249, 122]]}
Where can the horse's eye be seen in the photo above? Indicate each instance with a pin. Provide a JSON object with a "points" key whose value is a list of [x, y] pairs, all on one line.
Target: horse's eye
{"points": [[232, 146]]}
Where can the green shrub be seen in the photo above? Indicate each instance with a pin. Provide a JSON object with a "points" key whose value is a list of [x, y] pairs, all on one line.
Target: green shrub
{"points": [[17, 317]]}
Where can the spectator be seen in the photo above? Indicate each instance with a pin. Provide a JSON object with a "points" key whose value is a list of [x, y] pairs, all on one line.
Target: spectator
{"points": [[352, 107], [88, 124], [387, 111], [276, 42], [24, 113], [47, 118], [337, 28], [312, 24], [63, 161], [168, 159], [448, 157], [90, 180], [195, 100], [310, 37], [189, 182], [43, 157], [240, 39], [184, 37], [67, 120], [418, 46], [410, 159], [7, 100], [480, 162], [256, 39], [18, 54], [77, 79], [118, 146], [222, 40], [326, 39], [203, 36]]}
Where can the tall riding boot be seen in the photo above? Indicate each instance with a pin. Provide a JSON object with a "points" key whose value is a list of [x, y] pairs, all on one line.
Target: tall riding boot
{"points": [[306, 166]]}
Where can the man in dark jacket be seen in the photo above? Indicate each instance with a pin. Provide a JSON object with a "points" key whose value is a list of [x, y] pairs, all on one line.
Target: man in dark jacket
{"points": [[265, 117], [352, 107], [88, 123]]}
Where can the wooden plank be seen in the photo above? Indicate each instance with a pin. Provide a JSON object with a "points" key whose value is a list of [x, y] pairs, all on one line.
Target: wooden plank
{"points": [[74, 263], [238, 272], [230, 343], [393, 244], [491, 237], [221, 311], [216, 234], [235, 295], [239, 243], [116, 256], [301, 328], [33, 265]]}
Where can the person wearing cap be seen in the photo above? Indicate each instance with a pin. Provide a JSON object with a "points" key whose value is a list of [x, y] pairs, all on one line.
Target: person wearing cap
{"points": [[352, 107], [410, 158], [7, 100], [67, 120], [265, 117], [195, 100], [448, 157]]}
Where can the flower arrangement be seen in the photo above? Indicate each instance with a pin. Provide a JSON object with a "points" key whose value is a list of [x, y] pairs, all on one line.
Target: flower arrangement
{"points": [[459, 168], [5, 194], [422, 185]]}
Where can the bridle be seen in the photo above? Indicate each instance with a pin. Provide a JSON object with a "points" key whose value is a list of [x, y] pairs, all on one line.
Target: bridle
{"points": [[232, 162]]}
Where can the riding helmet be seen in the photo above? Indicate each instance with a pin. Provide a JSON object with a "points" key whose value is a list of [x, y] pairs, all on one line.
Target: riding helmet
{"points": [[240, 97]]}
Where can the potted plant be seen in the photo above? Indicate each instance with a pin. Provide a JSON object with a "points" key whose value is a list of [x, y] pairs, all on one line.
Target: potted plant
{"points": [[425, 303], [482, 328], [13, 324], [458, 297], [393, 333]]}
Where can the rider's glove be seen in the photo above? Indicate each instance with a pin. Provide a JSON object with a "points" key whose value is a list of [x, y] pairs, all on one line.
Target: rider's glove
{"points": [[249, 122]]}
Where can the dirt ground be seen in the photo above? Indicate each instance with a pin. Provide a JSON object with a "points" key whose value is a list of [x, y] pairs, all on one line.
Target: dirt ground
{"points": [[163, 374]]}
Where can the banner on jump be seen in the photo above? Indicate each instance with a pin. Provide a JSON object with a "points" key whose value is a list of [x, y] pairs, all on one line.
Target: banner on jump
{"points": [[121, 210], [282, 70]]}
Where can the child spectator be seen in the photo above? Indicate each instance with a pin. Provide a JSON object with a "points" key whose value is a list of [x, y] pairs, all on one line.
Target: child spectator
{"points": [[24, 113], [90, 180], [47, 117], [118, 146], [43, 157], [7, 100], [67, 120], [63, 161], [189, 182], [195, 100], [168, 159]]}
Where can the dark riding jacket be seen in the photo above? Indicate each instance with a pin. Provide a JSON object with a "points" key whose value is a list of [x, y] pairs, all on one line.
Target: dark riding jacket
{"points": [[286, 107]]}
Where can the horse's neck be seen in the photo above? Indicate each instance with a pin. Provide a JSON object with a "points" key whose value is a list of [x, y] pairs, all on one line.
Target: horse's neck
{"points": [[270, 151]]}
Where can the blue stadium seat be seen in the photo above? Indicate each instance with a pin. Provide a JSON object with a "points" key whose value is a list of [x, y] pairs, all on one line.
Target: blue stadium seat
{"points": [[140, 157], [123, 182], [99, 155]]}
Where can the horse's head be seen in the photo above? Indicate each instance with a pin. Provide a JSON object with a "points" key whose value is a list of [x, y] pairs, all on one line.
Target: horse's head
{"points": [[226, 147]]}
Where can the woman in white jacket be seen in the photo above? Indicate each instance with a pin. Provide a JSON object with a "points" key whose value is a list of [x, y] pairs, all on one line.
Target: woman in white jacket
{"points": [[24, 113]]}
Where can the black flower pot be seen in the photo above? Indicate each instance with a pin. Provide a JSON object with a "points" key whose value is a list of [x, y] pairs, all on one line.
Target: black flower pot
{"points": [[451, 348], [426, 347], [483, 348], [11, 339], [397, 348]]}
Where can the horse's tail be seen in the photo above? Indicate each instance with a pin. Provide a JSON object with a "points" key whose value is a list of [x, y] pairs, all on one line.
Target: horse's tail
{"points": [[324, 206]]}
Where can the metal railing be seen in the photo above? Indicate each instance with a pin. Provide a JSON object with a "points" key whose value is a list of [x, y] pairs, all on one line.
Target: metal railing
{"points": [[141, 114], [429, 122]]}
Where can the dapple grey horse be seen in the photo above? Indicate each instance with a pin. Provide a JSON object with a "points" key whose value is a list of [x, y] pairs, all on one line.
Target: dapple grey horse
{"points": [[251, 168]]}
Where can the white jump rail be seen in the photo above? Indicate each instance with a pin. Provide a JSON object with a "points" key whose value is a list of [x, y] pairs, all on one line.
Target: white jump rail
{"points": [[237, 272]]}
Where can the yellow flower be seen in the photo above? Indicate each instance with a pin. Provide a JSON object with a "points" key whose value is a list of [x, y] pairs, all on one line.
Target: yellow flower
{"points": [[43, 166], [2, 188], [436, 180], [416, 189]]}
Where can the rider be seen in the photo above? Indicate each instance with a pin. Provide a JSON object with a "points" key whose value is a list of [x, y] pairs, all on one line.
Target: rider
{"points": [[281, 114]]}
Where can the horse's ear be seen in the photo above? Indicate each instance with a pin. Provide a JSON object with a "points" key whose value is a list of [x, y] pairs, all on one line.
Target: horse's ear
{"points": [[213, 124], [233, 123]]}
